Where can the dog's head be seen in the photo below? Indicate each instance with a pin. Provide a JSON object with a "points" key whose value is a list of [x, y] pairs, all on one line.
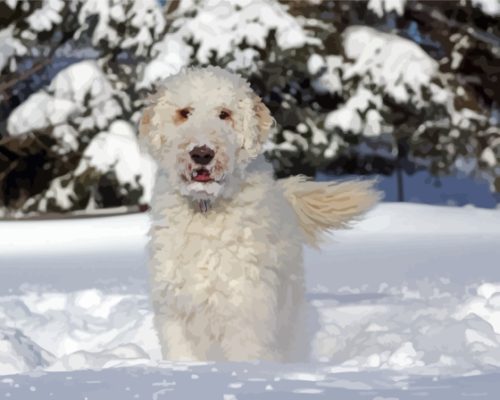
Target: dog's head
{"points": [[204, 126]]}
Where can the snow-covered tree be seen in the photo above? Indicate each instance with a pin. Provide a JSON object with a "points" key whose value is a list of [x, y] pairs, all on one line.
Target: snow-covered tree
{"points": [[78, 113], [383, 101], [377, 86]]}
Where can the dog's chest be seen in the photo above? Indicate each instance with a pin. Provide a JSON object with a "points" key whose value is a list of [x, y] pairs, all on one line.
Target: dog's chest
{"points": [[216, 257]]}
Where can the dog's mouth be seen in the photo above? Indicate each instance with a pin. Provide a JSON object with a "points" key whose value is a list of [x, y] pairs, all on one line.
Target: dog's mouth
{"points": [[201, 175]]}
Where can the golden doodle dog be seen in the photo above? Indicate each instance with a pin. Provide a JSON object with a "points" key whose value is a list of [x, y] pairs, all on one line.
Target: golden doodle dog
{"points": [[227, 275]]}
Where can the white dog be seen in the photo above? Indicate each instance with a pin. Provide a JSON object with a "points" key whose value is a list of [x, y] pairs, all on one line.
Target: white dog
{"points": [[226, 266]]}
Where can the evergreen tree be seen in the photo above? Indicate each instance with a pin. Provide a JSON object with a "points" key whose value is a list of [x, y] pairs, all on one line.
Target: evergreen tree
{"points": [[357, 87]]}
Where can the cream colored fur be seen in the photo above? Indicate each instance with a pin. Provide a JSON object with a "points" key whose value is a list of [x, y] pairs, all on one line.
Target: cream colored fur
{"points": [[226, 268], [322, 206]]}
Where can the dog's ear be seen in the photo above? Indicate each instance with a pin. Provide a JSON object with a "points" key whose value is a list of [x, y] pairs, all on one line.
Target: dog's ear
{"points": [[145, 121], [149, 137], [264, 119], [257, 123]]}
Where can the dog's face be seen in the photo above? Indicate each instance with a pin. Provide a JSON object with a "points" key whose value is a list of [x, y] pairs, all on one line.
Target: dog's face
{"points": [[203, 127]]}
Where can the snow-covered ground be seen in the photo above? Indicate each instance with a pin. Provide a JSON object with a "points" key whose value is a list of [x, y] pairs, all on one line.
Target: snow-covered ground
{"points": [[405, 305]]}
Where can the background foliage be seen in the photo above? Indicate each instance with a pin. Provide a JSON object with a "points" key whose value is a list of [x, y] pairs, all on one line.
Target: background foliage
{"points": [[369, 87]]}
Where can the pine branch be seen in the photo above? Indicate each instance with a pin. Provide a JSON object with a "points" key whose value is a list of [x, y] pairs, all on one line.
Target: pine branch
{"points": [[438, 16], [172, 6], [16, 77]]}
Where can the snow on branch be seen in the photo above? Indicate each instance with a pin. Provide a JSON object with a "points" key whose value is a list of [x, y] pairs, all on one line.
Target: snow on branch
{"points": [[81, 91], [218, 28]]}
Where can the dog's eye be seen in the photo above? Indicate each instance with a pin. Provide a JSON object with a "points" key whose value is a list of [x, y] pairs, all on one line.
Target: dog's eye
{"points": [[184, 113], [224, 115]]}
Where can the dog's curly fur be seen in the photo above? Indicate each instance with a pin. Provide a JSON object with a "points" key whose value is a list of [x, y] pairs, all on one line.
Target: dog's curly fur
{"points": [[226, 266]]}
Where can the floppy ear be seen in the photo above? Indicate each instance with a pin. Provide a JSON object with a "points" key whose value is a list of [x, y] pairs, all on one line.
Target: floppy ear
{"points": [[257, 122], [264, 119], [149, 135]]}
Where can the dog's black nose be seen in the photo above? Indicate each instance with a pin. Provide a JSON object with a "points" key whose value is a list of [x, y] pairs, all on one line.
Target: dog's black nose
{"points": [[202, 155]]}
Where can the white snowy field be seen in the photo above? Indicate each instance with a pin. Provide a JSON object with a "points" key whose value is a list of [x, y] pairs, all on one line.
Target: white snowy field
{"points": [[404, 305]]}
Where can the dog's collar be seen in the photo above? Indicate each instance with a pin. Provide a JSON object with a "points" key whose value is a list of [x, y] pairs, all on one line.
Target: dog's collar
{"points": [[204, 205]]}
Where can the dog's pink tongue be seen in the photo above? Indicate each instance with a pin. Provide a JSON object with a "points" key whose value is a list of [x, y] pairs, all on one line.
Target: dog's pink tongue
{"points": [[203, 176]]}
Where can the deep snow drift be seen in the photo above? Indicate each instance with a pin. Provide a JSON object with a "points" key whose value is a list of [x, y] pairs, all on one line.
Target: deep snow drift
{"points": [[412, 291]]}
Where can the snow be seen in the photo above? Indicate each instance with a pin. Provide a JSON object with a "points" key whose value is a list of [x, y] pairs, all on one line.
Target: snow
{"points": [[345, 118], [348, 116], [332, 149], [330, 80], [490, 7], [118, 150], [146, 16], [47, 16], [173, 55], [425, 317], [19, 354], [55, 241], [381, 69], [9, 47], [11, 4], [315, 63], [77, 87], [318, 135], [406, 302], [41, 110], [218, 28], [85, 84], [144, 19], [380, 65], [244, 60], [488, 156], [295, 139], [396, 64], [381, 7]]}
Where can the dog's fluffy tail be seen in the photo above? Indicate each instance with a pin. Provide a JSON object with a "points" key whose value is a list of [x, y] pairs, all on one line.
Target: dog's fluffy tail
{"points": [[321, 206]]}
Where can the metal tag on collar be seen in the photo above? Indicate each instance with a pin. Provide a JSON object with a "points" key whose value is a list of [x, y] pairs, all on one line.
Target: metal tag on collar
{"points": [[203, 204]]}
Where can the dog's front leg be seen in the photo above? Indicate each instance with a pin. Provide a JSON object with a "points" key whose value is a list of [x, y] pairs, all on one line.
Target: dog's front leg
{"points": [[250, 333], [175, 345], [245, 343]]}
